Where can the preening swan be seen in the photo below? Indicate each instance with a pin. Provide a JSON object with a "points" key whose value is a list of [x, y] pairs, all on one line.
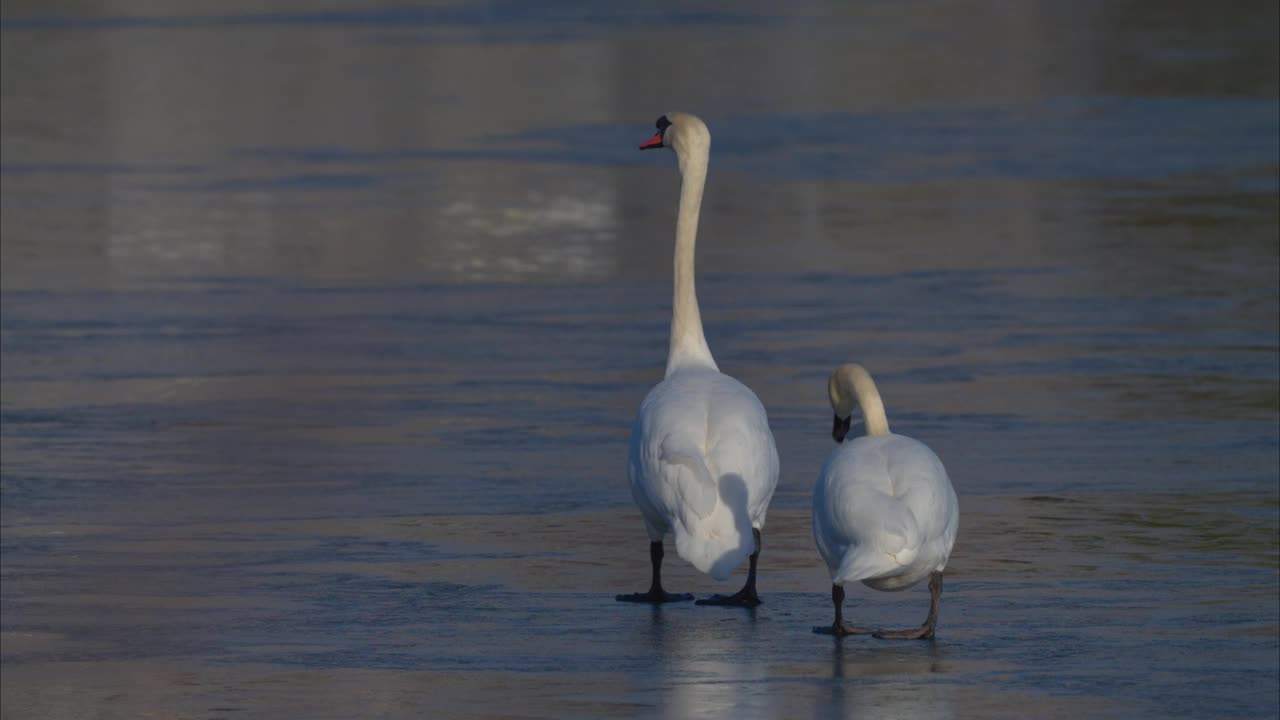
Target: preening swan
{"points": [[703, 465], [884, 511]]}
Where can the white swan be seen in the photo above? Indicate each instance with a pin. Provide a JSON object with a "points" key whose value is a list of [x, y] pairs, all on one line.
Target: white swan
{"points": [[884, 511], [703, 465]]}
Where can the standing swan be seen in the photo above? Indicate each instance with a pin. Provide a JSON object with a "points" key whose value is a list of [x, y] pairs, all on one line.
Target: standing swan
{"points": [[703, 465], [884, 511]]}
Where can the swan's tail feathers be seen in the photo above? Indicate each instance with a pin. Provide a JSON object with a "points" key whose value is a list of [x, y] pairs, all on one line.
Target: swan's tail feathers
{"points": [[712, 528], [889, 539], [869, 563], [716, 546]]}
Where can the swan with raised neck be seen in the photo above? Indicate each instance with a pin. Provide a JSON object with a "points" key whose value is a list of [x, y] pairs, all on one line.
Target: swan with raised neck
{"points": [[703, 465], [688, 136]]}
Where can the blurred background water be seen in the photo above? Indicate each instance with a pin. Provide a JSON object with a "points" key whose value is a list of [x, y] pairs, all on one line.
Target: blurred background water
{"points": [[324, 326]]}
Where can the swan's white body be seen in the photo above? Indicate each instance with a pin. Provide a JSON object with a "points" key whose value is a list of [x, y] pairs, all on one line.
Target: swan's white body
{"points": [[703, 465], [884, 512]]}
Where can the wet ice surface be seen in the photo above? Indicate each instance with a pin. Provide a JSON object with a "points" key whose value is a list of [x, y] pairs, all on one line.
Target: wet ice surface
{"points": [[319, 365], [1111, 605], [223, 497]]}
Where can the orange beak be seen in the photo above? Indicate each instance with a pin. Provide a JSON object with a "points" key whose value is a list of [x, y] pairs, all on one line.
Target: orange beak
{"points": [[653, 142]]}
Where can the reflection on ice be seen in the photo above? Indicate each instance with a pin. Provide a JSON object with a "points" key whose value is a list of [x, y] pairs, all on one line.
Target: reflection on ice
{"points": [[561, 235], [914, 697], [749, 664], [717, 668]]}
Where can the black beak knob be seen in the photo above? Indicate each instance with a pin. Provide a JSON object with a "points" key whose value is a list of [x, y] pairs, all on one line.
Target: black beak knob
{"points": [[840, 428]]}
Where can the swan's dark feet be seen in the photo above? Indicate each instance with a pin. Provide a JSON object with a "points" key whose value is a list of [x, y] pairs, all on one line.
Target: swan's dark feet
{"points": [[924, 632], [746, 597], [842, 629], [655, 597], [656, 594]]}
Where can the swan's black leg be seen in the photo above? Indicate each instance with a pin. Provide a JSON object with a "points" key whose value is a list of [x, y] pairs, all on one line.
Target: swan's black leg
{"points": [[924, 632], [656, 594], [746, 597], [839, 628]]}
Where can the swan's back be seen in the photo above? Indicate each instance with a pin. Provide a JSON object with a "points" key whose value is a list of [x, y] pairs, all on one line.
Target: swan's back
{"points": [[704, 465], [884, 512]]}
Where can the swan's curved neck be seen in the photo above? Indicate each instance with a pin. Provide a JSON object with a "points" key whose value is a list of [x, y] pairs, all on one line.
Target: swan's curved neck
{"points": [[854, 382], [688, 344]]}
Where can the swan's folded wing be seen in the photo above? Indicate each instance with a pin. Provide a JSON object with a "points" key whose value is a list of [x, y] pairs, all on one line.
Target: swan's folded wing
{"points": [[881, 531], [921, 483], [686, 477]]}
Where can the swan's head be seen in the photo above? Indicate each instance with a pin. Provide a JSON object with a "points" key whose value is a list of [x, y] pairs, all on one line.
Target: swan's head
{"points": [[848, 383], [843, 402], [851, 387], [681, 132]]}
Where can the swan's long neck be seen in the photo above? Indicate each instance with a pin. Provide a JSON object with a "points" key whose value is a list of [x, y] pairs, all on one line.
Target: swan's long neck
{"points": [[688, 344], [855, 380]]}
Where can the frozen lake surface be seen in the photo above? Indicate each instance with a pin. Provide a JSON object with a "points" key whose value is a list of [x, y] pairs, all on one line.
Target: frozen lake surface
{"points": [[323, 333]]}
